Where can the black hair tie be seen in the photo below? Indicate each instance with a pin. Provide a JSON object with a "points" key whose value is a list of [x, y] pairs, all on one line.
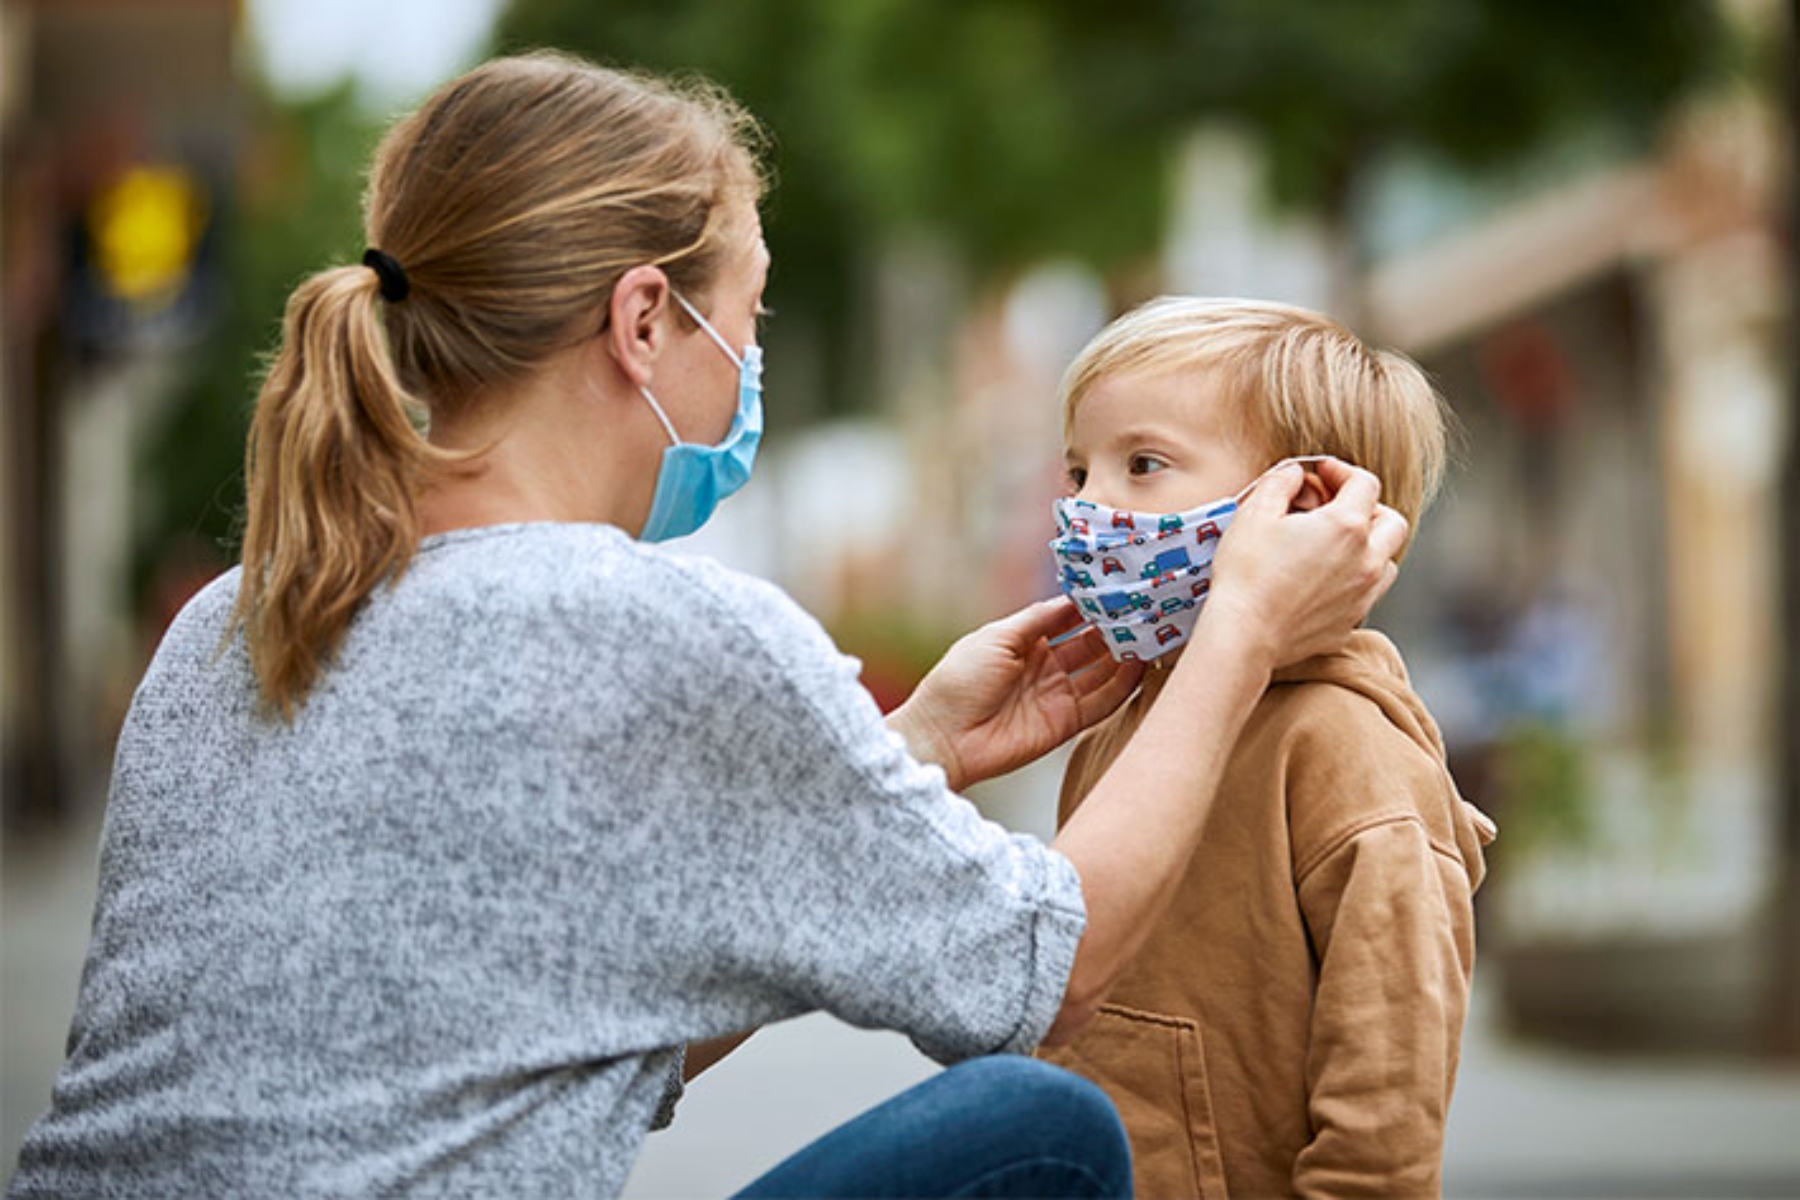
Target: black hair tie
{"points": [[394, 284]]}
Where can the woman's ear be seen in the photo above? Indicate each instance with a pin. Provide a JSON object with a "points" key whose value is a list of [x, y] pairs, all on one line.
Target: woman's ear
{"points": [[635, 331]]}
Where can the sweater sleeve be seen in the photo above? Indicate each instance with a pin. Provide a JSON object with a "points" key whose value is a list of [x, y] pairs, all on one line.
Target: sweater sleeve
{"points": [[1389, 916], [809, 862]]}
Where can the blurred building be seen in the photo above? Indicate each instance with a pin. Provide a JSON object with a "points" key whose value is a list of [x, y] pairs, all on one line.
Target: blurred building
{"points": [[1606, 575], [116, 147]]}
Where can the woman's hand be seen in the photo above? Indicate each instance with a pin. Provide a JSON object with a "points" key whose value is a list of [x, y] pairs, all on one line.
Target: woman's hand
{"points": [[1010, 691], [1296, 584]]}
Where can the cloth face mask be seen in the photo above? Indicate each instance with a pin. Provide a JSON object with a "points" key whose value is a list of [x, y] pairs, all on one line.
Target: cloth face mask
{"points": [[1141, 578], [692, 478]]}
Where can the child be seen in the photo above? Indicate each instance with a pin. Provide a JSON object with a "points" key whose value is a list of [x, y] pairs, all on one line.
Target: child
{"points": [[1292, 1024]]}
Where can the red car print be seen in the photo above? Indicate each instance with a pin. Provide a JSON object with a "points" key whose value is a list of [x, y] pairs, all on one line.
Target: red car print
{"points": [[1122, 520], [1110, 565], [1201, 587], [1205, 530], [1167, 634]]}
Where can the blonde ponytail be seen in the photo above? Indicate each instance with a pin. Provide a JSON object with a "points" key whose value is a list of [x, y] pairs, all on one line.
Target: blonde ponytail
{"points": [[332, 468], [513, 200]]}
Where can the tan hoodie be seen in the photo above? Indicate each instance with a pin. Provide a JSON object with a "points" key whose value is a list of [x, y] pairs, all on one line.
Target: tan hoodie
{"points": [[1293, 1023]]}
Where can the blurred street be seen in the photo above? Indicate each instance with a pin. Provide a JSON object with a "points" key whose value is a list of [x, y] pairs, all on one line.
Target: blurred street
{"points": [[1528, 1121]]}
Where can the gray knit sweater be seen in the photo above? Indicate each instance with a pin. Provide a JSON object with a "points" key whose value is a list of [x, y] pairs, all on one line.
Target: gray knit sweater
{"points": [[563, 803]]}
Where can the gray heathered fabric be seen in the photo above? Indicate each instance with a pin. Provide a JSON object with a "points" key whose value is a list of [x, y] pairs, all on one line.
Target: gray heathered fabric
{"points": [[565, 802]]}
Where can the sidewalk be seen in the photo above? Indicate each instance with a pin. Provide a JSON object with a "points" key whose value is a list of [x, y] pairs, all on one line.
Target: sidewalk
{"points": [[1532, 1121], [46, 902]]}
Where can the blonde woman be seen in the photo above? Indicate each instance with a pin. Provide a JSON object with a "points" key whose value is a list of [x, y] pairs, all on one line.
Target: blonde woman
{"points": [[462, 822]]}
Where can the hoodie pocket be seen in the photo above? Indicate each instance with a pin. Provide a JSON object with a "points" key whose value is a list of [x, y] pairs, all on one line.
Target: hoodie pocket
{"points": [[1154, 1068]]}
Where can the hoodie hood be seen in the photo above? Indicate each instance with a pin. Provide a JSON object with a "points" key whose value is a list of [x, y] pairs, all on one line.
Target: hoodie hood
{"points": [[1371, 666]]}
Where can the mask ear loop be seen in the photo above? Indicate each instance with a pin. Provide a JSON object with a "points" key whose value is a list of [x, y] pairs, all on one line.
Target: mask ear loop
{"points": [[668, 428], [674, 439], [1286, 462], [718, 339]]}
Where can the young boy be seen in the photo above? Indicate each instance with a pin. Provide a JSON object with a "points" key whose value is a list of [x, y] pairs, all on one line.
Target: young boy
{"points": [[1292, 1025]]}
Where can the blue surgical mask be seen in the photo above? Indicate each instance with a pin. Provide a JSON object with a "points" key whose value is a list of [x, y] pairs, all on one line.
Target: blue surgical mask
{"points": [[694, 478]]}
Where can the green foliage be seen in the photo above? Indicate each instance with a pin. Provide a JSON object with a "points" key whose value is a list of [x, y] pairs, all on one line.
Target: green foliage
{"points": [[1016, 130], [1545, 791], [896, 649], [1329, 86], [1010, 130], [297, 211]]}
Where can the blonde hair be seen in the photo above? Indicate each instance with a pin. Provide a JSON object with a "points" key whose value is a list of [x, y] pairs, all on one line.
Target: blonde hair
{"points": [[513, 199], [1299, 383]]}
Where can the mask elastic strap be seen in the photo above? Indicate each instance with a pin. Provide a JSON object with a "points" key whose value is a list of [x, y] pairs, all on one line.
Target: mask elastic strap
{"points": [[661, 416], [710, 331], [1286, 462]]}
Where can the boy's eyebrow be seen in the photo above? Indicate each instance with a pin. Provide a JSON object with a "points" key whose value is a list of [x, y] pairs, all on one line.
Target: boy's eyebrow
{"points": [[1135, 433], [1123, 436]]}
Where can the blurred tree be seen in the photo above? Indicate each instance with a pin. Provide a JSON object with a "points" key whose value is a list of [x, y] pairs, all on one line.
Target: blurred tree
{"points": [[1012, 130], [1784, 1020], [297, 211], [1025, 129]]}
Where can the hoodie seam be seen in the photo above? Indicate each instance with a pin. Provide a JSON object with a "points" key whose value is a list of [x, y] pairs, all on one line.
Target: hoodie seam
{"points": [[1351, 832]]}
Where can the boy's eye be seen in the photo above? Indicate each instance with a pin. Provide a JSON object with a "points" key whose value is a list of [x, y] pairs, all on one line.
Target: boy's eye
{"points": [[1146, 464]]}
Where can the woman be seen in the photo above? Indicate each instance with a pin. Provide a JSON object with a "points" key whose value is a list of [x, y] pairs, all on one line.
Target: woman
{"points": [[442, 829]]}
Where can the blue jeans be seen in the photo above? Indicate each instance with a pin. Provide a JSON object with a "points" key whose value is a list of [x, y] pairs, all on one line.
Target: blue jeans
{"points": [[999, 1126]]}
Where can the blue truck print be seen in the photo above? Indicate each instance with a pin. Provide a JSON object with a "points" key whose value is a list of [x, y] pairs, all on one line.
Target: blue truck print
{"points": [[1114, 603], [1167, 563]]}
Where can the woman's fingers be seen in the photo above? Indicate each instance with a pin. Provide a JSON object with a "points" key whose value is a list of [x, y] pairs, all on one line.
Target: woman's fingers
{"points": [[1357, 489], [1388, 537], [1103, 687], [1080, 649], [1274, 493], [1049, 619], [1300, 582]]}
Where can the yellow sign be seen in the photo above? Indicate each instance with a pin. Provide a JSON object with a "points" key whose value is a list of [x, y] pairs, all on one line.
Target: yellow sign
{"points": [[145, 227]]}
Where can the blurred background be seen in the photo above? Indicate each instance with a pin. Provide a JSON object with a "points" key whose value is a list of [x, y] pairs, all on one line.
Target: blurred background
{"points": [[1579, 217]]}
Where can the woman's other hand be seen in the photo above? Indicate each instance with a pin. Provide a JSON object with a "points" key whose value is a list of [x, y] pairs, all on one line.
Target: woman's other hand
{"points": [[1011, 691], [1297, 583]]}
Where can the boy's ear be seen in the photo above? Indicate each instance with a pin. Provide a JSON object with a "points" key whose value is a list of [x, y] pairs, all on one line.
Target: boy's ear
{"points": [[1313, 494]]}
